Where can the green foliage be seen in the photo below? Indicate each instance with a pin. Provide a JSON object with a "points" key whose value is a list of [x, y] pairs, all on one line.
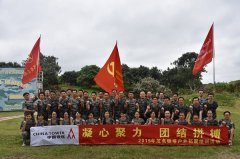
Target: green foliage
{"points": [[69, 77], [86, 75], [9, 65], [50, 69], [147, 84], [180, 76]]}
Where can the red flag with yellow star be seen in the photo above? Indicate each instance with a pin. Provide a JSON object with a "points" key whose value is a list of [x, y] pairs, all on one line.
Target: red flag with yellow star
{"points": [[110, 75]]}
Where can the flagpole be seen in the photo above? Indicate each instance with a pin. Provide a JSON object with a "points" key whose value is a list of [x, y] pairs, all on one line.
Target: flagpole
{"points": [[214, 81], [37, 67]]}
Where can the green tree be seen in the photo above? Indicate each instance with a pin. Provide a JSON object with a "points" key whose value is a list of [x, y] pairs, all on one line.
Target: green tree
{"points": [[69, 77], [86, 75], [50, 69], [180, 76], [147, 84], [10, 64]]}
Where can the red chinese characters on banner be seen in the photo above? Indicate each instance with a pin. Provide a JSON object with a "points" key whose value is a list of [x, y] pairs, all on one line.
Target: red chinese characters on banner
{"points": [[153, 135]]}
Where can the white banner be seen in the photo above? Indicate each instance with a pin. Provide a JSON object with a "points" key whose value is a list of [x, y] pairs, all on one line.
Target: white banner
{"points": [[55, 135]]}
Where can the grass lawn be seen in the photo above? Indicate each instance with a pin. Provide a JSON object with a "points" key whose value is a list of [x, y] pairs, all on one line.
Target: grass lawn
{"points": [[5, 114], [10, 143]]}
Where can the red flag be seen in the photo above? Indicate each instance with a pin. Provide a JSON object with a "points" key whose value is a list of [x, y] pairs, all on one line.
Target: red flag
{"points": [[32, 66], [206, 54], [110, 75]]}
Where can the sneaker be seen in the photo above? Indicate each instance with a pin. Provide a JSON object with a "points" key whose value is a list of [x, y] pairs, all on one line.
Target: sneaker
{"points": [[230, 142], [23, 144]]}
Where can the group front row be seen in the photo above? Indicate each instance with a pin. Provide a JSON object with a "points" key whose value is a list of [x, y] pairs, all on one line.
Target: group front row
{"points": [[29, 121]]}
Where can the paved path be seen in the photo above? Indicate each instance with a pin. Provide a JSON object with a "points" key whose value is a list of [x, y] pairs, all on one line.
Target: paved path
{"points": [[10, 117]]}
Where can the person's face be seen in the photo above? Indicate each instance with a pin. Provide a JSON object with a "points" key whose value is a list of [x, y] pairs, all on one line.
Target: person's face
{"points": [[121, 94], [155, 101], [106, 114], [200, 93], [94, 96], [40, 117], [175, 97], [114, 93], [78, 115], [63, 94], [166, 101], [210, 97], [130, 95], [153, 115], [85, 95], [90, 116], [142, 95], [195, 118], [69, 92], [209, 114], [54, 115], [137, 115], [149, 94], [123, 115], [28, 117], [167, 114], [80, 93], [65, 115], [47, 93], [161, 95], [53, 95], [74, 93], [27, 97], [195, 102], [182, 116], [181, 101], [106, 95], [41, 96], [100, 94], [226, 116]]}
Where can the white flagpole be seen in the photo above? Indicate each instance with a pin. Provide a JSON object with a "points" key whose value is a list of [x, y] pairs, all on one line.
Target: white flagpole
{"points": [[214, 81], [37, 67]]}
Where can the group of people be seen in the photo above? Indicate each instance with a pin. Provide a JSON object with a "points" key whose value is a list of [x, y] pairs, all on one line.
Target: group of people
{"points": [[74, 107]]}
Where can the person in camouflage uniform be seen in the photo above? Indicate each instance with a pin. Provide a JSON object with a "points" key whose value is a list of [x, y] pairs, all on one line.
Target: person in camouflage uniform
{"points": [[42, 106], [155, 107], [91, 120], [54, 101], [123, 119], [181, 107], [226, 121], [174, 100], [85, 105], [210, 105], [181, 120], [75, 104], [107, 105], [196, 121], [142, 104], [137, 120], [119, 105], [153, 120], [64, 104], [210, 121], [130, 106], [167, 106], [167, 120], [95, 106], [28, 106], [149, 98]]}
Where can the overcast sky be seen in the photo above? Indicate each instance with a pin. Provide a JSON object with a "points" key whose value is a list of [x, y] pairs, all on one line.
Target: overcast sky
{"points": [[149, 32]]}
